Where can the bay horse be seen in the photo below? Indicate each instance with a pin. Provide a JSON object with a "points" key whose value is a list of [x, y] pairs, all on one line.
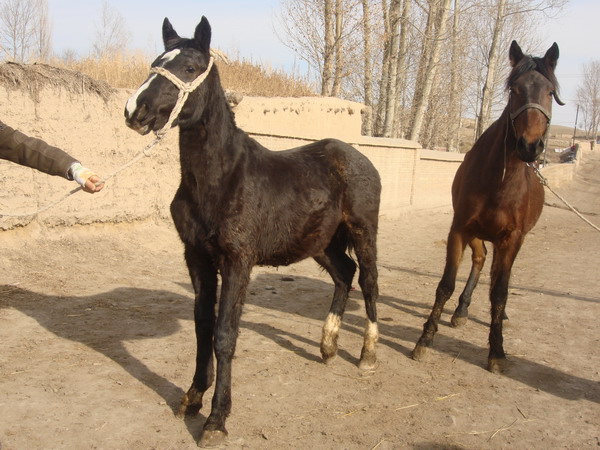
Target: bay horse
{"points": [[497, 196], [241, 205]]}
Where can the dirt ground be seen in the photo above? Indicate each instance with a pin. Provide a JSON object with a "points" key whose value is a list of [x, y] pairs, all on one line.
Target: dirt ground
{"points": [[97, 344]]}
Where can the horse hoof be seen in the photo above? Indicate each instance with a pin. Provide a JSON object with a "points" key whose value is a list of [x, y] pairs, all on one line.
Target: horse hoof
{"points": [[419, 353], [458, 321], [497, 365], [212, 438], [328, 359], [190, 405], [367, 362], [188, 410], [328, 353]]}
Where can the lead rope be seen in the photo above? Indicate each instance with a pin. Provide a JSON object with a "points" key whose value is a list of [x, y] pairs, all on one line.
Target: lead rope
{"points": [[544, 182], [185, 89]]}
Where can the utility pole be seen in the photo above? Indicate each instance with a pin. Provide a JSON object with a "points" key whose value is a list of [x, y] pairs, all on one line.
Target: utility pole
{"points": [[575, 127]]}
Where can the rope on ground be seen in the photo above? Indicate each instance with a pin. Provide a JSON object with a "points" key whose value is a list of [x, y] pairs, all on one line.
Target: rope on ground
{"points": [[544, 181]]}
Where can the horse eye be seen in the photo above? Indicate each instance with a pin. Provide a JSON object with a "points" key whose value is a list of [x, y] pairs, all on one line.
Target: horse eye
{"points": [[190, 70]]}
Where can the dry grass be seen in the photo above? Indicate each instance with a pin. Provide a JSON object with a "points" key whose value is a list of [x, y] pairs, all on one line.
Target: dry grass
{"points": [[130, 70], [250, 79]]}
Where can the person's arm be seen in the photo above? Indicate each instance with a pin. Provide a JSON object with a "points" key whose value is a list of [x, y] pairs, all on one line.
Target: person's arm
{"points": [[37, 154]]}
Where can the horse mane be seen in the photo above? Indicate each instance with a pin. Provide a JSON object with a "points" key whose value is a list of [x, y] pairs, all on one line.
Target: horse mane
{"points": [[222, 101], [528, 63]]}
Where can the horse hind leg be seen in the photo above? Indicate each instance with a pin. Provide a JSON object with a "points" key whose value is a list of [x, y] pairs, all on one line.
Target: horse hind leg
{"points": [[479, 252], [365, 247], [454, 251], [342, 269]]}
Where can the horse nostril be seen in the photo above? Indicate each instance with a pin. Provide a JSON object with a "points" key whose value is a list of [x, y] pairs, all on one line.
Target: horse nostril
{"points": [[136, 114], [142, 112], [540, 146]]}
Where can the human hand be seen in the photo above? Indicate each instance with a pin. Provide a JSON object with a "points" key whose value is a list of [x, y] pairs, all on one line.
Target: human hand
{"points": [[89, 181], [93, 184]]}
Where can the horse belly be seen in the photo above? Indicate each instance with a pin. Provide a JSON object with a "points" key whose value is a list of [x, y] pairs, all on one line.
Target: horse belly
{"points": [[297, 243]]}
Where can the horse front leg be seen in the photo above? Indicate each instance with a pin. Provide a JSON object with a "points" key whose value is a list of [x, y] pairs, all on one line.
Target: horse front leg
{"points": [[461, 314], [235, 278], [504, 257], [204, 280], [454, 251]]}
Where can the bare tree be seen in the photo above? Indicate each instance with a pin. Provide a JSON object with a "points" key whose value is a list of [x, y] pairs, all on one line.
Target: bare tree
{"points": [[488, 85], [19, 22], [440, 8], [394, 50], [454, 109], [384, 81], [42, 33], [325, 34], [368, 75], [402, 68], [418, 72], [338, 75], [588, 98], [329, 47], [111, 36]]}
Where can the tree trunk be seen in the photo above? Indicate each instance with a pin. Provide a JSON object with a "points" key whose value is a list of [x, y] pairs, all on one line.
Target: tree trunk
{"points": [[368, 78], [488, 86], [454, 101], [423, 59], [393, 70], [336, 90], [385, 70], [328, 51], [429, 75], [402, 70]]}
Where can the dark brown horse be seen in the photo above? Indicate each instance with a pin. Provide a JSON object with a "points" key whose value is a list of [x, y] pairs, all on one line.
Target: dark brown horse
{"points": [[241, 205], [497, 196]]}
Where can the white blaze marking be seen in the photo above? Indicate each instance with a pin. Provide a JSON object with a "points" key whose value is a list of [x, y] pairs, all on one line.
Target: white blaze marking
{"points": [[132, 102], [169, 56]]}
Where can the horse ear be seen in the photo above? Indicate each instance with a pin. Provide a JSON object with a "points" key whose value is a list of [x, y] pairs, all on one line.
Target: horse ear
{"points": [[551, 56], [202, 35], [515, 54], [169, 34]]}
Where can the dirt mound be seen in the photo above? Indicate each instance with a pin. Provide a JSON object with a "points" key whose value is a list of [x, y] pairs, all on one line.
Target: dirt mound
{"points": [[33, 78]]}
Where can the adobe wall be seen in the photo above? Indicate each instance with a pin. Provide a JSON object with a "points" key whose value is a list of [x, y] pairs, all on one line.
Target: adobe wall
{"points": [[560, 174], [92, 129]]}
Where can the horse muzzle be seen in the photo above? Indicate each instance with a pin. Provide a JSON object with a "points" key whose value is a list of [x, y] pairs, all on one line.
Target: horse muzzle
{"points": [[528, 152], [138, 120]]}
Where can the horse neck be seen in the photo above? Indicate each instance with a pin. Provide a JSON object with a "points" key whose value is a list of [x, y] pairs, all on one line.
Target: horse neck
{"points": [[497, 149], [210, 138]]}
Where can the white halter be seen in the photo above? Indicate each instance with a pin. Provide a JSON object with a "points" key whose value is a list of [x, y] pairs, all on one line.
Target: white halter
{"points": [[184, 91]]}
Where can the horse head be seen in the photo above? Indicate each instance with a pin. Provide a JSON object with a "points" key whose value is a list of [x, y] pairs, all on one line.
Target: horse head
{"points": [[532, 85], [179, 71]]}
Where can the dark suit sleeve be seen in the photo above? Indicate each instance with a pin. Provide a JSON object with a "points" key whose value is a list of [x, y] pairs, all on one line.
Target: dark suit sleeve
{"points": [[35, 153]]}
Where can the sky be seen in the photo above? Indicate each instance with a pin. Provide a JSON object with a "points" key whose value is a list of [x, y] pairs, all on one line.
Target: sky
{"points": [[245, 29]]}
